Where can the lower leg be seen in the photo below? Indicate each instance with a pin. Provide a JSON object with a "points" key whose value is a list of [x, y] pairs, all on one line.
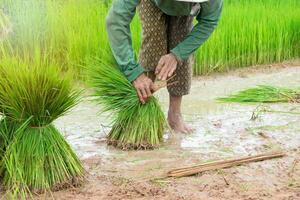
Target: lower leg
{"points": [[175, 118]]}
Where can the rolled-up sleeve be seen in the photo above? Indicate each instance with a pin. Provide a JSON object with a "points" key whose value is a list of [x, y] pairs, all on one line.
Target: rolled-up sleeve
{"points": [[118, 27]]}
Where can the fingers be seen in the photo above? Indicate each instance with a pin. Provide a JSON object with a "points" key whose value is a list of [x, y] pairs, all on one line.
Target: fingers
{"points": [[160, 65], [148, 90], [167, 71], [144, 92], [140, 96], [171, 72], [165, 75], [166, 67], [143, 86], [162, 73]]}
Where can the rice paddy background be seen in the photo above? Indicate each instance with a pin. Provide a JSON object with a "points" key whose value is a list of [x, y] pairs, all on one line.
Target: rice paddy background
{"points": [[70, 32]]}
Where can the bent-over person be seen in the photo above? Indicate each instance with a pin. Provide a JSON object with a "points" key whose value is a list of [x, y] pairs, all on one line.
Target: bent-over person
{"points": [[169, 40]]}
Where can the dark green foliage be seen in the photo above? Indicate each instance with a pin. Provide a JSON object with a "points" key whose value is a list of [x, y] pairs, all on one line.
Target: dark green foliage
{"points": [[264, 94], [135, 126]]}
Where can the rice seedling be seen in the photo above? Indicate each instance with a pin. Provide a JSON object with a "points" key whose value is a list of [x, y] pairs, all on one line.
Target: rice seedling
{"points": [[37, 158], [5, 25], [134, 126], [3, 140], [251, 33], [264, 94], [6, 135], [7, 131], [69, 32]]}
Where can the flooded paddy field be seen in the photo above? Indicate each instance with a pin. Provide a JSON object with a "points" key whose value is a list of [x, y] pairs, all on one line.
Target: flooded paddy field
{"points": [[222, 131]]}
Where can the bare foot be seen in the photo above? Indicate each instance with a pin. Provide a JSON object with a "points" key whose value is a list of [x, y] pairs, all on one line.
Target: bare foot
{"points": [[177, 124]]}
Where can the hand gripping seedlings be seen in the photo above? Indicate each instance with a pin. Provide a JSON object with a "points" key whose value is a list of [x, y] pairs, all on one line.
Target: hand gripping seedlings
{"points": [[37, 158], [134, 125]]}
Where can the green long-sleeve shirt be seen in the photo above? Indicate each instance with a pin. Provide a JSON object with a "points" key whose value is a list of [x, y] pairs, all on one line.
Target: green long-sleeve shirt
{"points": [[118, 27]]}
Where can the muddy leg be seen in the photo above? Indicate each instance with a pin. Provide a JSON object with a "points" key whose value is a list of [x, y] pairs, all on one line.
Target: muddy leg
{"points": [[178, 28]]}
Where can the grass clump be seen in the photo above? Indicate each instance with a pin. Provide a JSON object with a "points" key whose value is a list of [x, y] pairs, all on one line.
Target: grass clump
{"points": [[134, 126], [264, 94], [36, 157]]}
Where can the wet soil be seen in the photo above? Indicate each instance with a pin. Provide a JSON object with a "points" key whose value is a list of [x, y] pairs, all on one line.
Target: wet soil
{"points": [[222, 131]]}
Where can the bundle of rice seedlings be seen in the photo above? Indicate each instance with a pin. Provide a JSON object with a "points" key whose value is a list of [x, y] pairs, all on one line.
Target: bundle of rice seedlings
{"points": [[6, 135], [134, 125], [264, 94], [37, 158], [7, 131], [3, 138]]}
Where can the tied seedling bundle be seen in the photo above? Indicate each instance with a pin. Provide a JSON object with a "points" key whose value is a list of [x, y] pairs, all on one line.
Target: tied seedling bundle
{"points": [[134, 125], [265, 94], [2, 139], [6, 136], [37, 158]]}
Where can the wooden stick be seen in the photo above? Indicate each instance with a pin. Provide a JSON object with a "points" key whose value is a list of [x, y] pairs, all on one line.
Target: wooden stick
{"points": [[188, 171], [161, 84], [221, 162]]}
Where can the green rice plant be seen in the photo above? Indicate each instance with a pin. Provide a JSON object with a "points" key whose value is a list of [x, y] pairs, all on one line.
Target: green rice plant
{"points": [[251, 33], [264, 94], [37, 158], [69, 32], [134, 125], [5, 25], [7, 132], [3, 138], [6, 136]]}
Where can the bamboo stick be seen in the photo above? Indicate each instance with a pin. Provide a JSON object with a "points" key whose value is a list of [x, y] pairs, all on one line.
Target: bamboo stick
{"points": [[161, 84], [188, 171]]}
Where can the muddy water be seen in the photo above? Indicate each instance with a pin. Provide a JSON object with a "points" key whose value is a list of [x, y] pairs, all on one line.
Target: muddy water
{"points": [[221, 129]]}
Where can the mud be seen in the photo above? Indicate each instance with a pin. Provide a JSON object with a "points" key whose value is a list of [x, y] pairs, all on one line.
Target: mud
{"points": [[222, 131]]}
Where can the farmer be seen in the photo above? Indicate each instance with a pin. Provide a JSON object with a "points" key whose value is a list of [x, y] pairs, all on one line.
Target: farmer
{"points": [[168, 41]]}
